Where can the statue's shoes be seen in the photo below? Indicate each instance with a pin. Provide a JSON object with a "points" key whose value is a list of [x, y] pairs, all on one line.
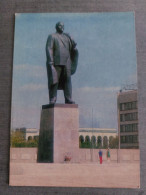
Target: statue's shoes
{"points": [[69, 102], [52, 102]]}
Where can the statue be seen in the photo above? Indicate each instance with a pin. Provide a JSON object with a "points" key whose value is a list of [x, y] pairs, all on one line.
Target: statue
{"points": [[62, 59]]}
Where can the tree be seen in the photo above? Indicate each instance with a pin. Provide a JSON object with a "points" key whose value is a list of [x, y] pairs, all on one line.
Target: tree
{"points": [[29, 138], [111, 141], [99, 142], [86, 143], [105, 142], [114, 142], [81, 141], [17, 139], [93, 142]]}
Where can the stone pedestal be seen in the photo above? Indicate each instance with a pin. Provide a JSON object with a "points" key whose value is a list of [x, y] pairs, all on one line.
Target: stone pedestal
{"points": [[59, 135]]}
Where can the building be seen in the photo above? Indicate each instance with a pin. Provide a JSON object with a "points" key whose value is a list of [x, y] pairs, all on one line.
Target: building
{"points": [[29, 133], [98, 134], [128, 119]]}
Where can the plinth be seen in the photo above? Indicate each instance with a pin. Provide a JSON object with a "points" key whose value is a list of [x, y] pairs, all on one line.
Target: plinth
{"points": [[59, 137]]}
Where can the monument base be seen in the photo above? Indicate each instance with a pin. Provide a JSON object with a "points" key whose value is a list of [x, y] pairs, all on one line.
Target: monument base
{"points": [[59, 137]]}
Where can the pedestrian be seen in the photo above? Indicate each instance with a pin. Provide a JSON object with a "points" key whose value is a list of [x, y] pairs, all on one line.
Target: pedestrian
{"points": [[108, 155], [100, 156]]}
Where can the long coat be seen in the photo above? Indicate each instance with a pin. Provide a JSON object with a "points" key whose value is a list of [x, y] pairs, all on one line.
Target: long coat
{"points": [[60, 50]]}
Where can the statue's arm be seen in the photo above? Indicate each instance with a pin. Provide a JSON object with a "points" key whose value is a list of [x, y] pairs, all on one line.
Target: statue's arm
{"points": [[49, 50], [73, 43], [72, 40]]}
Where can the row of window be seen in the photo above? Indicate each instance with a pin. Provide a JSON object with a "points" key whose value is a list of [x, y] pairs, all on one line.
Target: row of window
{"points": [[129, 139], [128, 106], [129, 117], [94, 139], [129, 128]]}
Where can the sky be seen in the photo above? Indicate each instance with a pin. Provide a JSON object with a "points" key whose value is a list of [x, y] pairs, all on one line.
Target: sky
{"points": [[107, 61]]}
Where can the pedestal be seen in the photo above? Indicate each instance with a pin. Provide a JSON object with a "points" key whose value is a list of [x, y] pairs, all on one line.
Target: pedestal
{"points": [[59, 136]]}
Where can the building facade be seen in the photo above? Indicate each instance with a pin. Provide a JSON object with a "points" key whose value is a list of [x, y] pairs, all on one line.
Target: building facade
{"points": [[29, 133], [98, 134], [128, 119]]}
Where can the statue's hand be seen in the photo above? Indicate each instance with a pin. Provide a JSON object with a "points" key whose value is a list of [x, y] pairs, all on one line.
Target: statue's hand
{"points": [[74, 45], [50, 64]]}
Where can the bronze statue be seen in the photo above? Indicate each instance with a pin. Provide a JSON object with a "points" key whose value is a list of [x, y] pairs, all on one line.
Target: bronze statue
{"points": [[62, 58]]}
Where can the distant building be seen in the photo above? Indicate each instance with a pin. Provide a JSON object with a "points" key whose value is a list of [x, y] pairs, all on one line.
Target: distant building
{"points": [[99, 134], [29, 133], [128, 119]]}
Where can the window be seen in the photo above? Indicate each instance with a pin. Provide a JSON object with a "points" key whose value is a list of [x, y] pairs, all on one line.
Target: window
{"points": [[81, 139], [123, 139], [122, 128], [93, 140], [135, 138], [99, 140], [130, 139], [121, 107], [128, 106], [87, 139], [122, 118], [135, 127], [129, 117], [129, 127]]}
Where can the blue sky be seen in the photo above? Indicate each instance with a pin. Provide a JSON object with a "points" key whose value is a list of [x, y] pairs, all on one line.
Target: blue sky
{"points": [[107, 60]]}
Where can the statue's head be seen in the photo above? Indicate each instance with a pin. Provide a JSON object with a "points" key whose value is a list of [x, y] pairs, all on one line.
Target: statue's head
{"points": [[60, 27]]}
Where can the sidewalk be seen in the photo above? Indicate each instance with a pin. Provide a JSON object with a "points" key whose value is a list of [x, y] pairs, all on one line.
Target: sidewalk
{"points": [[108, 175]]}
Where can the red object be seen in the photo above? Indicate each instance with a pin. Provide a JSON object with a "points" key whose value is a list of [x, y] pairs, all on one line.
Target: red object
{"points": [[100, 159]]}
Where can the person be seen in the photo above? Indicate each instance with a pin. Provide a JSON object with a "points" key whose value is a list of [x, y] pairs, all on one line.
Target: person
{"points": [[108, 155], [100, 156], [62, 59]]}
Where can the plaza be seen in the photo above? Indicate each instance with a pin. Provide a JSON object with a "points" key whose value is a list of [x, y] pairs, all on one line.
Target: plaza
{"points": [[119, 172], [107, 175]]}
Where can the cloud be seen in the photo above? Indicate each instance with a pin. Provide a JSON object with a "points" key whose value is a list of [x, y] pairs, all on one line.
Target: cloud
{"points": [[132, 79], [29, 70], [99, 89], [26, 116], [32, 87], [21, 67], [97, 106]]}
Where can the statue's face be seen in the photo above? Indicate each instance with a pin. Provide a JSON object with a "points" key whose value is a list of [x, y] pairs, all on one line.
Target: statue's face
{"points": [[60, 27]]}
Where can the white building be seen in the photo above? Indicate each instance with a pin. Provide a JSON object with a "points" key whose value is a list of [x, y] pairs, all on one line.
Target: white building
{"points": [[98, 133], [31, 133]]}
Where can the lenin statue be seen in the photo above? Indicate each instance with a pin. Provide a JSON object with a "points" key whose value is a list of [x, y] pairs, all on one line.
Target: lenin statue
{"points": [[62, 59]]}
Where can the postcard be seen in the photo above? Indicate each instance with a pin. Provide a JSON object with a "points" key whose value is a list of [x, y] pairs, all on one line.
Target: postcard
{"points": [[74, 115]]}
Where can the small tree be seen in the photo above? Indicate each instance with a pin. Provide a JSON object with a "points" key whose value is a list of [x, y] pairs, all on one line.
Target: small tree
{"points": [[111, 141], [81, 141], [17, 139], [29, 138], [99, 142], [105, 142], [93, 142], [87, 143], [114, 142]]}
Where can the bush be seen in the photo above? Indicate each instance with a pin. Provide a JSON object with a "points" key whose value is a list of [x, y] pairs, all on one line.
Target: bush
{"points": [[18, 140]]}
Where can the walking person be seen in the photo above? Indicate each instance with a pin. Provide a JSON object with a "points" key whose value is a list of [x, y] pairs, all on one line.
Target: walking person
{"points": [[100, 156], [108, 155]]}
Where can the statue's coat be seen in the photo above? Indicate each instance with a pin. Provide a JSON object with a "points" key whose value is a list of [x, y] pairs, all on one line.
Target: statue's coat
{"points": [[57, 55]]}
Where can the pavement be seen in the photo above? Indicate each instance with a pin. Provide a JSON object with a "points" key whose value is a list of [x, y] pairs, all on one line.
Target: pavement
{"points": [[106, 175]]}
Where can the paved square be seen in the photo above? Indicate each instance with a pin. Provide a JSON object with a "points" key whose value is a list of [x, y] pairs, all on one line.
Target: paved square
{"points": [[106, 175]]}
